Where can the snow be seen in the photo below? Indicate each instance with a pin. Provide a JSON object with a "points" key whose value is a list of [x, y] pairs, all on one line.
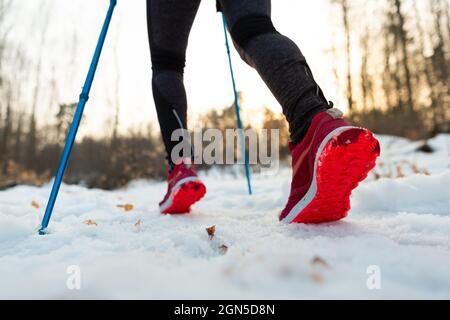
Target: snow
{"points": [[401, 225]]}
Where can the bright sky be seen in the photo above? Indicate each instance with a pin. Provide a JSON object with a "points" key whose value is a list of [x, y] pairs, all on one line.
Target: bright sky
{"points": [[207, 76]]}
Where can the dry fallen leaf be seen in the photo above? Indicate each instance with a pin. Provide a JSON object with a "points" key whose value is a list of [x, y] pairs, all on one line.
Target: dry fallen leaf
{"points": [[400, 173], [127, 207], [318, 261], [90, 223], [376, 175], [138, 223], [35, 205], [416, 170], [228, 271], [317, 278], [223, 249], [211, 232]]}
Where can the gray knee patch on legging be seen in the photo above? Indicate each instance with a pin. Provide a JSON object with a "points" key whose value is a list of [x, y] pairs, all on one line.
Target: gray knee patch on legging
{"points": [[167, 60], [249, 27]]}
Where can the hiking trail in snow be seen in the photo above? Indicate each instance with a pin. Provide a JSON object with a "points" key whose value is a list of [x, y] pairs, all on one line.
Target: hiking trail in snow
{"points": [[399, 224]]}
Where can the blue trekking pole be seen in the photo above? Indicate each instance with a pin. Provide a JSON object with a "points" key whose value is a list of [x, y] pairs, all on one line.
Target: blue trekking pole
{"points": [[84, 97], [237, 109]]}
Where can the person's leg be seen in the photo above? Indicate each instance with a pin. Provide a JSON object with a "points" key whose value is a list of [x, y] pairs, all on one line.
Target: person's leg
{"points": [[329, 157], [169, 24], [278, 60]]}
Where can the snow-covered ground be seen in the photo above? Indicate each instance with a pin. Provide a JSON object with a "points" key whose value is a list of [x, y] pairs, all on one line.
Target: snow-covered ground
{"points": [[399, 228]]}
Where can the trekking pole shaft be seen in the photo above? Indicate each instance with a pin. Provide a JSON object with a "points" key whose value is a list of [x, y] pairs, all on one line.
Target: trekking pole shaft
{"points": [[84, 97], [237, 109]]}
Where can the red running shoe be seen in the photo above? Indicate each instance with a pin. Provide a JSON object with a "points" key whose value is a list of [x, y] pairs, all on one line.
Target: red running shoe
{"points": [[331, 160], [184, 189]]}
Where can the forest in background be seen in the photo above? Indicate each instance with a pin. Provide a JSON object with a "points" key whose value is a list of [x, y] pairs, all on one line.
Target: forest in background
{"points": [[403, 53], [400, 87]]}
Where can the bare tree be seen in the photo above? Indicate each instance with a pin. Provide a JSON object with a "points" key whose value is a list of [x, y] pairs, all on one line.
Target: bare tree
{"points": [[426, 70], [402, 38], [345, 8], [6, 132], [5, 86], [440, 61], [366, 79], [31, 139], [440, 43], [116, 92]]}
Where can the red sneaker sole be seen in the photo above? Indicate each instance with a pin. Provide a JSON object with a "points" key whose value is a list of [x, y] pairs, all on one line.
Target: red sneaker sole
{"points": [[345, 161], [185, 196]]}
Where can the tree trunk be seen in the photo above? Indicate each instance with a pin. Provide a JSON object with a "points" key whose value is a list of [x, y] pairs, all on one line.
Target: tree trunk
{"points": [[345, 9], [402, 34]]}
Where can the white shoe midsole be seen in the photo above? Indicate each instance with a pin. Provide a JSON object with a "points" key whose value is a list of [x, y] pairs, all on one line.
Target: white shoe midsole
{"points": [[312, 191]]}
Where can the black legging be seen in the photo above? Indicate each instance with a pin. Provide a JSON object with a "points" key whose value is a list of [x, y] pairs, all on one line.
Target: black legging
{"points": [[277, 59]]}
